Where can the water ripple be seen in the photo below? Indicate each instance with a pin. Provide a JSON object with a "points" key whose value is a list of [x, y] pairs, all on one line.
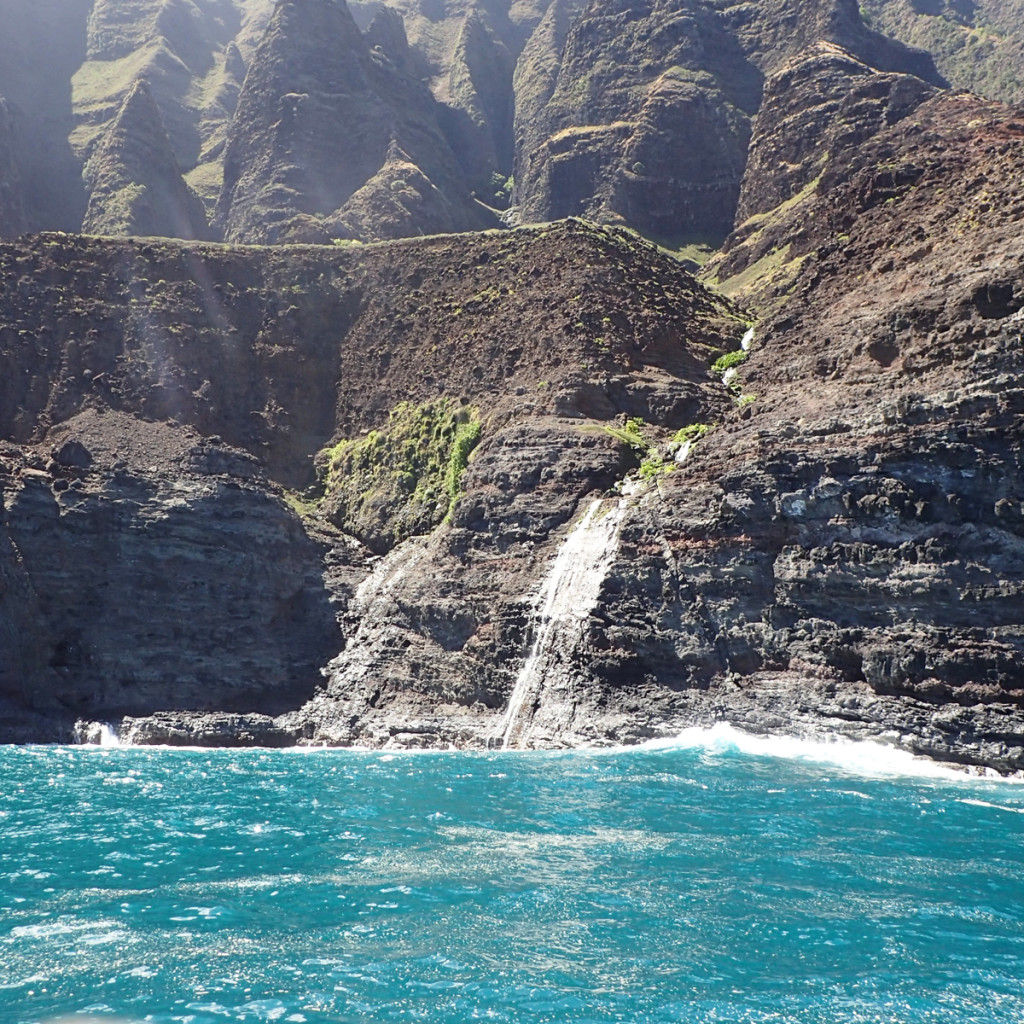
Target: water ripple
{"points": [[687, 882]]}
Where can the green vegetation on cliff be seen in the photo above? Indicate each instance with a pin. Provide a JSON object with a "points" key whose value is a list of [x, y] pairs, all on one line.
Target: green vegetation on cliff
{"points": [[977, 46], [403, 479]]}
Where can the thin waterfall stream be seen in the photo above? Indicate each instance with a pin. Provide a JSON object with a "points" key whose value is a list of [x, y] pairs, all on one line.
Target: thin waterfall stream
{"points": [[564, 603]]}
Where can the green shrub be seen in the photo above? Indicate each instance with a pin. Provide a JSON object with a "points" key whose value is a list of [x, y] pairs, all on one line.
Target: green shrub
{"points": [[402, 479], [693, 432], [728, 361], [467, 437], [632, 434], [654, 466]]}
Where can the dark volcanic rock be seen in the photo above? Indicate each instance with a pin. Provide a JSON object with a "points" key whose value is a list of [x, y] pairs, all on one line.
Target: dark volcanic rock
{"points": [[134, 182], [317, 119], [648, 120], [873, 494], [217, 729], [156, 578], [634, 112], [816, 105], [637, 127], [842, 555], [399, 201], [278, 353], [193, 56], [309, 129], [203, 590], [480, 98], [818, 109]]}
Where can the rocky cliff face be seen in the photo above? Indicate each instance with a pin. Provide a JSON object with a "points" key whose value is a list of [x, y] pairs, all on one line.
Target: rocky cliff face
{"points": [[193, 57], [124, 547], [319, 117], [42, 45], [839, 553], [12, 211], [537, 487], [819, 104], [165, 393], [370, 120], [134, 181], [647, 120], [843, 551]]}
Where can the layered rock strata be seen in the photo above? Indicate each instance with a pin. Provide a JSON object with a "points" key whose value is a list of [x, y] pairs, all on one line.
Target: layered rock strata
{"points": [[841, 553], [158, 396], [325, 127], [314, 120]]}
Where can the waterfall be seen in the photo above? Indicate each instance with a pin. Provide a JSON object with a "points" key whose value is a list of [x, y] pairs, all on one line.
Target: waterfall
{"points": [[564, 603]]}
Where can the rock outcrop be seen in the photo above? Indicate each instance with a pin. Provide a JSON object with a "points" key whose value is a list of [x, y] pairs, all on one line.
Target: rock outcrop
{"points": [[817, 109], [193, 58], [841, 555], [479, 122], [134, 181], [318, 117], [127, 537], [648, 119], [818, 104]]}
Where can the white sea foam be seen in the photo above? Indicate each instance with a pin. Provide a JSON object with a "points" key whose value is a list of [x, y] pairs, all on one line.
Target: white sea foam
{"points": [[96, 734], [51, 929], [995, 807], [109, 736], [860, 757]]}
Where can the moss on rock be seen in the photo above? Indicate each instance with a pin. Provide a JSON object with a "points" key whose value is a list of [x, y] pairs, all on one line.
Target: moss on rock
{"points": [[403, 479]]}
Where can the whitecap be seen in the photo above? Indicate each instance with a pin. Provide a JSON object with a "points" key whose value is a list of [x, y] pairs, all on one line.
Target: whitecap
{"points": [[861, 757], [995, 807]]}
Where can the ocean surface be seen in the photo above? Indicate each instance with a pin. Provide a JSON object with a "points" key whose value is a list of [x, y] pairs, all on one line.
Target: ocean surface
{"points": [[713, 879]]}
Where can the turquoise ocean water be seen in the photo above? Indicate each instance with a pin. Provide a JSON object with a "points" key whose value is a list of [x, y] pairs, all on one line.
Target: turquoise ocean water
{"points": [[716, 879]]}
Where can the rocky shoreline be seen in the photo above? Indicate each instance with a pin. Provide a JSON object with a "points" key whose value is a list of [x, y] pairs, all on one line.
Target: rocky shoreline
{"points": [[972, 739]]}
